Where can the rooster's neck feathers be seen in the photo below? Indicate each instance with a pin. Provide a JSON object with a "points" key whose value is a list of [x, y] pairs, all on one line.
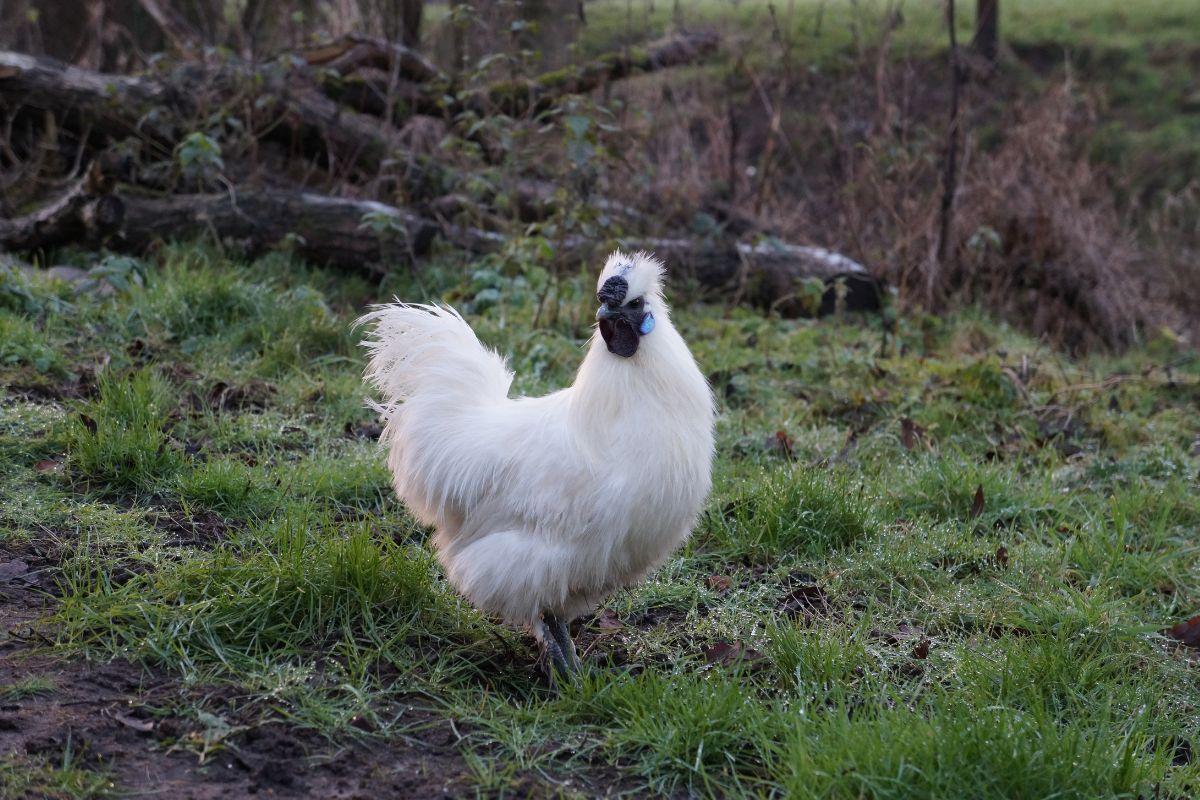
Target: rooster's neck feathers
{"points": [[655, 388]]}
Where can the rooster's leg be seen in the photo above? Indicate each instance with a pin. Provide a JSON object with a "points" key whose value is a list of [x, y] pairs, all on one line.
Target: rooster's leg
{"points": [[551, 650], [562, 636]]}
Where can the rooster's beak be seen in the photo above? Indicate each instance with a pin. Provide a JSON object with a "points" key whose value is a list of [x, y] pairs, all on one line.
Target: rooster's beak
{"points": [[607, 312]]}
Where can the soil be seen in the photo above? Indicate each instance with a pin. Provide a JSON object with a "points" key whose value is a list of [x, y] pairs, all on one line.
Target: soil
{"points": [[118, 717]]}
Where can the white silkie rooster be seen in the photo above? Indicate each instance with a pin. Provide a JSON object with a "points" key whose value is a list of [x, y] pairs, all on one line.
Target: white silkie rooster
{"points": [[543, 506]]}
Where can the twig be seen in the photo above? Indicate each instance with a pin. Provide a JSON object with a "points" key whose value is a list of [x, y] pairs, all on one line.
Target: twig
{"points": [[950, 176], [173, 25]]}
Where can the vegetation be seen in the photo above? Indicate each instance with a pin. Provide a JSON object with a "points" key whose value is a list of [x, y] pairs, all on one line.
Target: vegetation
{"points": [[733, 130], [943, 559], [951, 547]]}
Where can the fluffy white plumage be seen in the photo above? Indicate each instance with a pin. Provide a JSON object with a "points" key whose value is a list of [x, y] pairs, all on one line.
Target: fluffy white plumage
{"points": [[545, 505]]}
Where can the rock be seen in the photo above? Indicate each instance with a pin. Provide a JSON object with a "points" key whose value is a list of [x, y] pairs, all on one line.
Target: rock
{"points": [[9, 261], [67, 274]]}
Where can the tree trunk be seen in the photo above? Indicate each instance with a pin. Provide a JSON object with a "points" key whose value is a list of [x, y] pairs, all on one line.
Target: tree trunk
{"points": [[987, 29], [950, 164], [410, 22]]}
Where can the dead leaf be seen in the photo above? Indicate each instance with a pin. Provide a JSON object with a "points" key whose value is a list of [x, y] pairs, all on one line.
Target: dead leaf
{"points": [[1187, 633], [851, 442], [88, 423], [908, 433], [1002, 557], [250, 395], [903, 633], [726, 653], [179, 373], [47, 465], [780, 442], [920, 650], [977, 503], [805, 601], [609, 621], [138, 347], [719, 583], [139, 725], [363, 723], [722, 652]]}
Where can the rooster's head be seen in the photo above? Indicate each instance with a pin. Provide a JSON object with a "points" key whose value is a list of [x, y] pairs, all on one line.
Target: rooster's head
{"points": [[630, 293]]}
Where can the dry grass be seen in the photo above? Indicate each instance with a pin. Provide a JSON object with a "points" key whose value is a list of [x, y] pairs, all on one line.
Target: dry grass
{"points": [[1042, 242], [822, 159]]}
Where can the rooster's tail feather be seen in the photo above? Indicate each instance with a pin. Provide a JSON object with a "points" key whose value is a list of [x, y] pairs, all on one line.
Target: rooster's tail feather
{"points": [[420, 348]]}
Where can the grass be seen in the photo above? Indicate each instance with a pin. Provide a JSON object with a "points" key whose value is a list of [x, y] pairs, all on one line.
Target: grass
{"points": [[35, 686], [1137, 65], [63, 779], [824, 31], [987, 538]]}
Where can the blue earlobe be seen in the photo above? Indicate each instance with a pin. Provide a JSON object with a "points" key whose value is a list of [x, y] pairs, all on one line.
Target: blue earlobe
{"points": [[647, 324]]}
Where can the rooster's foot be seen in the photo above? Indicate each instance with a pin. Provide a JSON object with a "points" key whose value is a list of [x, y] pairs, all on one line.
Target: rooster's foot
{"points": [[558, 651], [562, 637]]}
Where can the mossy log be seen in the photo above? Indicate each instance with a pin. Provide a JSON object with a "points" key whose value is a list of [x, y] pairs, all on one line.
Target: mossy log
{"points": [[363, 235], [353, 52], [164, 108], [539, 93]]}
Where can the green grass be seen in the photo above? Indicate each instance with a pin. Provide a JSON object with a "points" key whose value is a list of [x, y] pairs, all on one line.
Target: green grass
{"points": [[213, 511], [823, 29], [35, 686], [61, 779]]}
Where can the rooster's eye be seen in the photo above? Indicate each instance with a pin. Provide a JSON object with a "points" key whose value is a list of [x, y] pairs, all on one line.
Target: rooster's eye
{"points": [[635, 303]]}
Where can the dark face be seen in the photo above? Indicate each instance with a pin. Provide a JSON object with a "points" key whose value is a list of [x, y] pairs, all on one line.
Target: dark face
{"points": [[622, 322]]}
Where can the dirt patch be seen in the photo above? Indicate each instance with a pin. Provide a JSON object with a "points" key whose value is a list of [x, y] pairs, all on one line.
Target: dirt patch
{"points": [[111, 717], [81, 385], [120, 717], [201, 529]]}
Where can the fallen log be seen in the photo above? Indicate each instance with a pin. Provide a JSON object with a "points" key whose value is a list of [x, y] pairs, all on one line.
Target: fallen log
{"points": [[348, 233], [158, 108], [84, 214], [353, 51], [114, 105], [769, 273], [516, 97], [373, 91], [293, 106], [361, 234], [343, 232], [364, 77]]}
